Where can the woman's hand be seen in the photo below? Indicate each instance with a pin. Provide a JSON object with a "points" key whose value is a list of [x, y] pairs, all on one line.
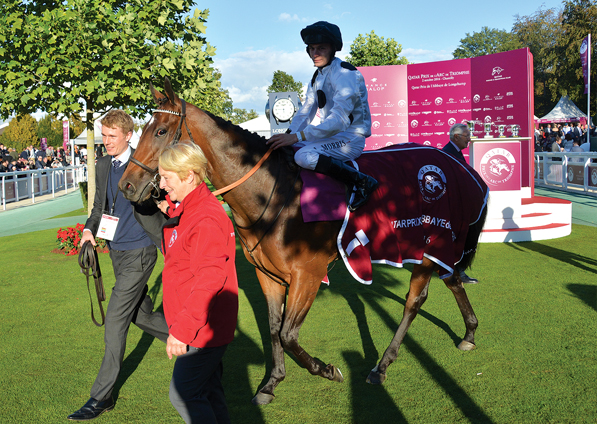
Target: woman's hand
{"points": [[175, 347]]}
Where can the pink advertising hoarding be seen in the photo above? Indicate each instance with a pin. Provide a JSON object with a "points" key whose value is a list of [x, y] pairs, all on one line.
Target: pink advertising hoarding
{"points": [[438, 97], [495, 88], [501, 90], [386, 88]]}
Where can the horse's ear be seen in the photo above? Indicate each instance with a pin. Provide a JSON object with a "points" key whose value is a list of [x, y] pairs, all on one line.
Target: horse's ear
{"points": [[158, 97], [169, 92]]}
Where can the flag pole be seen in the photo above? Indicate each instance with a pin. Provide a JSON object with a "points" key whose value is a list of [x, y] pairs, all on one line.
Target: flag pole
{"points": [[589, 92]]}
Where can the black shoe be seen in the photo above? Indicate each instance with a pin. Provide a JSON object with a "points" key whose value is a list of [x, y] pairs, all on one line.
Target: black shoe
{"points": [[92, 409], [466, 279], [335, 168], [365, 187]]}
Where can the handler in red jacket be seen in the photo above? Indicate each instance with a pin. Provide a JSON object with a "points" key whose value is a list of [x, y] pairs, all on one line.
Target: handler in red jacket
{"points": [[200, 286]]}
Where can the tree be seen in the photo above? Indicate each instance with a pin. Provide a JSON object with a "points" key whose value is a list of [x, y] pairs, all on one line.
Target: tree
{"points": [[242, 115], [540, 32], [487, 41], [20, 133], [65, 57], [579, 18], [50, 128], [373, 50], [282, 82]]}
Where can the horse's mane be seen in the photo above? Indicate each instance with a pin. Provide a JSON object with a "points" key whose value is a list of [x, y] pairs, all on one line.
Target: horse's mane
{"points": [[255, 142]]}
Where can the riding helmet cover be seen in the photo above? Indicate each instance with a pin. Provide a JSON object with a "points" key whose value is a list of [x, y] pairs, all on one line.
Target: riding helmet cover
{"points": [[322, 32]]}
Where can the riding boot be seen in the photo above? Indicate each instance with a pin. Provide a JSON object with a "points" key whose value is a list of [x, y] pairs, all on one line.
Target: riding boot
{"points": [[364, 184]]}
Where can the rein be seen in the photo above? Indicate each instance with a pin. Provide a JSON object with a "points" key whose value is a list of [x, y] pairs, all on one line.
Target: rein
{"points": [[89, 264], [176, 139]]}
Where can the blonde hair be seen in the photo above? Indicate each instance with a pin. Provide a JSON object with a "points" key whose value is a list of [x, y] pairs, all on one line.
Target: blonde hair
{"points": [[117, 118], [181, 158]]}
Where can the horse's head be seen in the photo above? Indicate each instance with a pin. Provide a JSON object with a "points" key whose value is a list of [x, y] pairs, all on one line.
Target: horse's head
{"points": [[141, 177]]}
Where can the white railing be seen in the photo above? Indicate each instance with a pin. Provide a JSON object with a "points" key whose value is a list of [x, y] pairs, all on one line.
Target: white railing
{"points": [[567, 171], [28, 184]]}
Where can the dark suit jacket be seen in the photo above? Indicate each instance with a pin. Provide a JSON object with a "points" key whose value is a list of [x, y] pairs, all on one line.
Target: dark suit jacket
{"points": [[449, 148], [146, 214]]}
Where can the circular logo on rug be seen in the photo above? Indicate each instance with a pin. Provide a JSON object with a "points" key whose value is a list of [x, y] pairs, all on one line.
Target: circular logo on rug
{"points": [[497, 166], [594, 177], [432, 183], [570, 174]]}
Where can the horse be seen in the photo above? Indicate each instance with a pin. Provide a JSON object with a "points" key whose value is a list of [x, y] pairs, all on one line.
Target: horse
{"points": [[291, 257]]}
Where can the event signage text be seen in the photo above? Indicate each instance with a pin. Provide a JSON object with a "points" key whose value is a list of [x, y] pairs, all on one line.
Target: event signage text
{"points": [[420, 102]]}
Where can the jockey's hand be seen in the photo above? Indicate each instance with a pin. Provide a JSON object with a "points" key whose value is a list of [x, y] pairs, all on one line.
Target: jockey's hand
{"points": [[281, 140]]}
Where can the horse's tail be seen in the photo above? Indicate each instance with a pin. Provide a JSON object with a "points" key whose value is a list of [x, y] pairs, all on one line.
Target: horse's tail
{"points": [[472, 240]]}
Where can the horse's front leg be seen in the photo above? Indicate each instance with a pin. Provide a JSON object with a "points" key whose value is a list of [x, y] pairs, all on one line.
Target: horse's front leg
{"points": [[470, 319], [275, 295], [417, 294], [301, 295]]}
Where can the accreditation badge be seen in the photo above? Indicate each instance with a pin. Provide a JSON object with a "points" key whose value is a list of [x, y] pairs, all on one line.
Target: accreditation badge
{"points": [[107, 227]]}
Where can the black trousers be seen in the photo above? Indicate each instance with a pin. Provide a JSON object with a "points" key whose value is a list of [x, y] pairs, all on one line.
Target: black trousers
{"points": [[129, 302], [196, 387]]}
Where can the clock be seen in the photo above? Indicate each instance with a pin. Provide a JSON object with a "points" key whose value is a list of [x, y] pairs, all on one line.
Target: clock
{"points": [[283, 110]]}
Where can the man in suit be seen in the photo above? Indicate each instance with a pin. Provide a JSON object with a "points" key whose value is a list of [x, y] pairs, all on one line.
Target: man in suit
{"points": [[578, 133], [133, 254], [460, 137]]}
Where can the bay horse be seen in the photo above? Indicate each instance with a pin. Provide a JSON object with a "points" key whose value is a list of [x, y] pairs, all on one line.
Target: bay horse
{"points": [[291, 257]]}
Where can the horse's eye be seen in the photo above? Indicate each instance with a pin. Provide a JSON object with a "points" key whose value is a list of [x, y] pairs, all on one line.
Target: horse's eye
{"points": [[161, 132]]}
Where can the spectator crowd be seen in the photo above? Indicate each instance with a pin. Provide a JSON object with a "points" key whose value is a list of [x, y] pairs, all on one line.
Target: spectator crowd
{"points": [[33, 158], [567, 137]]}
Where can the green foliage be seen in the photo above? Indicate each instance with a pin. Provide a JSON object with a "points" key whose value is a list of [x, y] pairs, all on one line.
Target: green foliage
{"points": [[373, 50], [579, 18], [20, 133], [65, 57], [487, 41], [93, 56], [282, 82], [50, 128], [540, 32], [242, 115]]}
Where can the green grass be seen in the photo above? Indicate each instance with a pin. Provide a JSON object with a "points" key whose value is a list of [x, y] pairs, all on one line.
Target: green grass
{"points": [[76, 212], [535, 360]]}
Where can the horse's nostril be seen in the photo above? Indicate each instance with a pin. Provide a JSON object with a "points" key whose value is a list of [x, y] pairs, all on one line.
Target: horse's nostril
{"points": [[129, 188]]}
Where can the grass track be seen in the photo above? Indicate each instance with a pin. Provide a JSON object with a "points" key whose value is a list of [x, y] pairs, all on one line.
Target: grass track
{"points": [[535, 360]]}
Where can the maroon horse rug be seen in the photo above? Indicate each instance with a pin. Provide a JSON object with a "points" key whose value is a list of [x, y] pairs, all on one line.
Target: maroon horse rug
{"points": [[423, 207]]}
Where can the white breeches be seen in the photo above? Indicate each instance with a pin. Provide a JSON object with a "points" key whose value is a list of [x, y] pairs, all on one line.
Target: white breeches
{"points": [[343, 146]]}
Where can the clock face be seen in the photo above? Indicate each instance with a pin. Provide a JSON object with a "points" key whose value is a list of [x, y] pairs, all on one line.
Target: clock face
{"points": [[283, 109]]}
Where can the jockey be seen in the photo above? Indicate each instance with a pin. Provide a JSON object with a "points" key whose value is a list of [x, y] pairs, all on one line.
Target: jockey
{"points": [[338, 90]]}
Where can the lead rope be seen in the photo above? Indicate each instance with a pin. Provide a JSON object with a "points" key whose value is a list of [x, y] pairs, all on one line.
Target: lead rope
{"points": [[89, 263]]}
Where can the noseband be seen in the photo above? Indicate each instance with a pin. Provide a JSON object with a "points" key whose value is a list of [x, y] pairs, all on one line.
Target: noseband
{"points": [[155, 181]]}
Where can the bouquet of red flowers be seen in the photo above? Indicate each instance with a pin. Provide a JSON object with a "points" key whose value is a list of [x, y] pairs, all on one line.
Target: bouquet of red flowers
{"points": [[68, 240]]}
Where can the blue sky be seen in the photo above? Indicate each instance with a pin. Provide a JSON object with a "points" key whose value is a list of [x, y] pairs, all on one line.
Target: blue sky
{"points": [[254, 39]]}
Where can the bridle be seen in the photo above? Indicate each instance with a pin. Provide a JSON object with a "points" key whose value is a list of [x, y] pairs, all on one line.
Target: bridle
{"points": [[182, 114], [155, 181], [155, 184]]}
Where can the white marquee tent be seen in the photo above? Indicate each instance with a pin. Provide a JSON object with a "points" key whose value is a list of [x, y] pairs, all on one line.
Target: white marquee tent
{"points": [[259, 125], [564, 111]]}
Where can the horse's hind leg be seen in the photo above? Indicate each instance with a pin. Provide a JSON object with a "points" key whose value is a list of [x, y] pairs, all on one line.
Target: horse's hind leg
{"points": [[275, 295], [470, 320], [419, 285]]}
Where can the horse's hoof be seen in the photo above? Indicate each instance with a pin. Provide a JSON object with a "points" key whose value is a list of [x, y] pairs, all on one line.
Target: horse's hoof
{"points": [[376, 377], [464, 345], [337, 375], [262, 399]]}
